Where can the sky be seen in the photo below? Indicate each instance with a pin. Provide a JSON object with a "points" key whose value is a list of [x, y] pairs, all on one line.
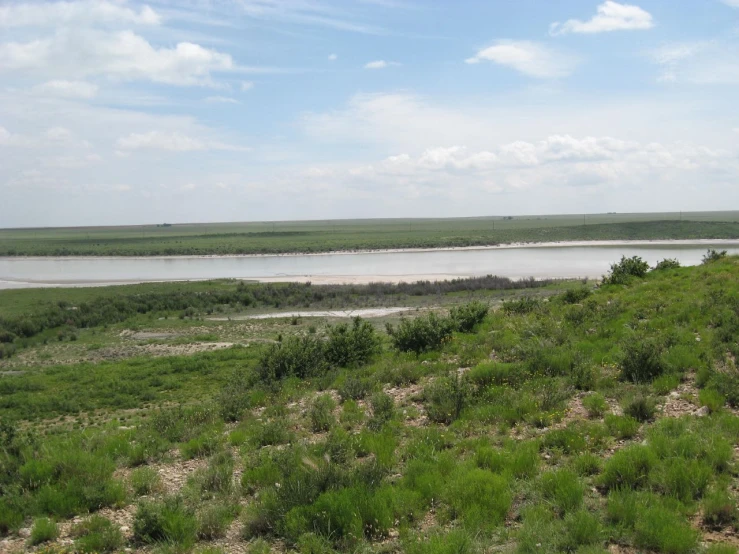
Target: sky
{"points": [[123, 112]]}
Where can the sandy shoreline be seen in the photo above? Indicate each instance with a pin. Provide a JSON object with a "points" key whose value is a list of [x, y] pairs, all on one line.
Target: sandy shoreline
{"points": [[506, 246]]}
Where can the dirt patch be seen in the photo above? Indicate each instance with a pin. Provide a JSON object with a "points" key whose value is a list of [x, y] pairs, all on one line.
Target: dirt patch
{"points": [[680, 402], [368, 312], [148, 335]]}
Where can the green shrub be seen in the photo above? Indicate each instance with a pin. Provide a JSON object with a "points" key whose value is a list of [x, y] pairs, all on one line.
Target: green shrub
{"points": [[271, 432], [667, 263], [144, 480], [581, 528], [713, 256], [214, 519], [587, 464], [660, 529], [630, 467], [424, 333], [641, 408], [683, 479], [234, 398], [711, 399], [622, 272], [383, 410], [169, 520], [321, 413], [720, 548], [621, 427], [641, 362], [354, 388], [351, 346], [446, 397], [575, 296], [454, 541], [293, 357], [202, 445], [97, 534], [563, 489], [467, 316], [595, 404], [10, 517], [521, 306], [665, 383], [217, 477], [719, 509], [43, 530], [478, 497], [567, 440]]}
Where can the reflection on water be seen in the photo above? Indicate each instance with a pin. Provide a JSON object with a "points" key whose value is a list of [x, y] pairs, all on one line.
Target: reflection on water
{"points": [[549, 261]]}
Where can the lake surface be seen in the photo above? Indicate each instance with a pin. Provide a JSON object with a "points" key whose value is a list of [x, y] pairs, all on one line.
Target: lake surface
{"points": [[557, 261]]}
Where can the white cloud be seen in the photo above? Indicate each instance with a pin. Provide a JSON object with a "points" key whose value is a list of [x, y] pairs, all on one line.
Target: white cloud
{"points": [[58, 134], [332, 57], [12, 139], [52, 14], [530, 58], [611, 16], [246, 86], [710, 62], [172, 142], [380, 64], [221, 100], [67, 89], [121, 55], [732, 3]]}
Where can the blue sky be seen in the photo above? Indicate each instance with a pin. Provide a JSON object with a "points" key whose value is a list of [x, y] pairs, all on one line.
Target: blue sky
{"points": [[127, 112]]}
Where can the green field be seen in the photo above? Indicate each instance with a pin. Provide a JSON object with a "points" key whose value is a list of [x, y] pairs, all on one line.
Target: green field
{"points": [[558, 417], [371, 234]]}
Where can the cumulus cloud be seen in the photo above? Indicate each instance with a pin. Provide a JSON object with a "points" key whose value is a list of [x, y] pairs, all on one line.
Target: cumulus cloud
{"points": [[67, 89], [610, 16], [703, 62], [121, 55], [27, 14], [171, 142], [530, 58], [380, 64]]}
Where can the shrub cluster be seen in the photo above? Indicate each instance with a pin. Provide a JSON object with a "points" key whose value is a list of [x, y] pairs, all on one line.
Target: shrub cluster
{"points": [[622, 272]]}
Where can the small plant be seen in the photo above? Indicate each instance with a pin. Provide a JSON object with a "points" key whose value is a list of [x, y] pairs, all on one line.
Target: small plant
{"points": [[621, 427], [293, 357], [563, 489], [719, 509], [354, 388], [97, 534], [524, 305], [622, 272], [586, 464], [213, 520], [321, 413], [383, 410], [144, 480], [351, 346], [446, 397], [424, 333], [168, 521], [581, 529], [43, 530], [667, 263], [662, 530], [641, 408], [466, 316], [712, 400], [595, 404], [478, 497], [713, 256], [575, 296], [641, 361], [630, 467]]}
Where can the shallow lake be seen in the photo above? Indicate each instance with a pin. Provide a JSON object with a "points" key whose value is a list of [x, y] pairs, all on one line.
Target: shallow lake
{"points": [[557, 261]]}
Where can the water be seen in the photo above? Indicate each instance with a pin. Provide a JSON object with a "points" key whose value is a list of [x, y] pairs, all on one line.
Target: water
{"points": [[556, 261]]}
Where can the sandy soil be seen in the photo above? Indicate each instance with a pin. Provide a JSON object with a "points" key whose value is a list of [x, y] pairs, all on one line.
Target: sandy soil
{"points": [[369, 312]]}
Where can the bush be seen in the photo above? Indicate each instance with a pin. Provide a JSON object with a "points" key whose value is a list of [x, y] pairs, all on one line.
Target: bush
{"points": [[352, 346], [321, 413], [575, 296], [165, 521], [667, 263], [234, 397], [595, 404], [354, 388], [43, 530], [454, 541], [660, 529], [586, 464], [293, 357], [521, 306], [446, 397], [713, 256], [719, 509], [466, 316], [144, 480], [424, 333], [383, 410], [563, 489], [621, 427], [581, 529], [641, 361], [712, 400], [641, 408], [630, 468], [622, 272], [683, 479], [213, 520], [97, 534], [478, 497]]}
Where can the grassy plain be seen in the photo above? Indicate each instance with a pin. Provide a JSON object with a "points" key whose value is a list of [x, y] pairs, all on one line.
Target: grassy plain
{"points": [[569, 418], [322, 236]]}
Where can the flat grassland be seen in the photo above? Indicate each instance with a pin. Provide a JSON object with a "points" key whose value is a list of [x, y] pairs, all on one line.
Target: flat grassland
{"points": [[370, 234], [496, 416]]}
